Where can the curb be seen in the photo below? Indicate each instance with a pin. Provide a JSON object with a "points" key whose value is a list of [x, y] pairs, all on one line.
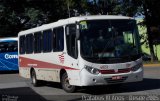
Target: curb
{"points": [[151, 65]]}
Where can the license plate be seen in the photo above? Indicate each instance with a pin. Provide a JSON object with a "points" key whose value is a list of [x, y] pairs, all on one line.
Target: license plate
{"points": [[116, 77]]}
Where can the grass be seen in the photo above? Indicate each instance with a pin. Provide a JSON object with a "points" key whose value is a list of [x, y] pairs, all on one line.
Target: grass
{"points": [[150, 62]]}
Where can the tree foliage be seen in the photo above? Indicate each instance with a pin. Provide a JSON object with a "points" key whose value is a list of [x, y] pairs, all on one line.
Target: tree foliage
{"points": [[17, 15], [152, 15]]}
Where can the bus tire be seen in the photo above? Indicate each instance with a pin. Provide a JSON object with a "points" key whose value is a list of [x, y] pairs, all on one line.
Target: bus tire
{"points": [[34, 80], [65, 84]]}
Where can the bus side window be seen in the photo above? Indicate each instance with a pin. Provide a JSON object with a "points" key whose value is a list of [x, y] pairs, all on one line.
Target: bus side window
{"points": [[12, 46], [71, 40], [47, 40], [37, 42], [22, 45], [58, 39], [29, 43]]}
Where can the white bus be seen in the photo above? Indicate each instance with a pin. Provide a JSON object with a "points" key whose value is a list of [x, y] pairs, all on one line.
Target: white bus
{"points": [[82, 51]]}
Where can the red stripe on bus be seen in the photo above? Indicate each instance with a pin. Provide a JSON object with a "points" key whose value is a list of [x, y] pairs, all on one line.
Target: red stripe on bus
{"points": [[27, 62]]}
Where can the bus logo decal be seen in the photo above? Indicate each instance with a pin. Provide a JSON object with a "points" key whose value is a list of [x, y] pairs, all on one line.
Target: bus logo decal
{"points": [[61, 58], [8, 56]]}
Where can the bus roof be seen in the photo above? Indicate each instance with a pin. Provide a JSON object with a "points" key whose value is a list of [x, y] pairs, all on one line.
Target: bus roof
{"points": [[71, 20], [9, 39]]}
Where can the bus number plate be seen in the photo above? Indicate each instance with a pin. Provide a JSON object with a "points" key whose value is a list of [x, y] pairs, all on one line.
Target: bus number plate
{"points": [[116, 77]]}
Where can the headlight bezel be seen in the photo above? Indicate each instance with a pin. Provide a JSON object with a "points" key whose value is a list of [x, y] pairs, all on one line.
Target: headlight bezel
{"points": [[136, 67], [92, 70]]}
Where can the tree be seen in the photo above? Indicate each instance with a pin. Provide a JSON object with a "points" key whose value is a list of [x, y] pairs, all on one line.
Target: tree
{"points": [[152, 15], [12, 18], [115, 7], [17, 15]]}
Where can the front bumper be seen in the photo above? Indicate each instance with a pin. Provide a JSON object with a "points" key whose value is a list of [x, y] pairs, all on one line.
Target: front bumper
{"points": [[88, 79]]}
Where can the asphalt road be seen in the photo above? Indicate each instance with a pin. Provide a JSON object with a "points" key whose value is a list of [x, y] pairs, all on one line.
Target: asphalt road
{"points": [[14, 87]]}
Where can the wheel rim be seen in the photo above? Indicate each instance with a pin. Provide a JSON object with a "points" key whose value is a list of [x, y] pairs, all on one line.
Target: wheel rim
{"points": [[33, 78], [66, 83]]}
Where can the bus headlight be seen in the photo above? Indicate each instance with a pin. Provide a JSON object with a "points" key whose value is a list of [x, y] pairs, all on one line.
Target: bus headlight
{"points": [[92, 70], [136, 67]]}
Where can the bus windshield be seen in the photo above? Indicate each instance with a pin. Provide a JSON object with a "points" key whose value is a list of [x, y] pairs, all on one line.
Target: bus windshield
{"points": [[8, 46], [109, 41]]}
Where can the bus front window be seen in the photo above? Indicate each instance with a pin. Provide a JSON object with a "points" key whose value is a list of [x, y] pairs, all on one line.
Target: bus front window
{"points": [[8, 46], [109, 41]]}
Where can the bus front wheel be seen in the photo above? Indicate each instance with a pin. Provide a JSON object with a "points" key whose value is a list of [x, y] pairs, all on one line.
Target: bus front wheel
{"points": [[65, 84], [34, 78]]}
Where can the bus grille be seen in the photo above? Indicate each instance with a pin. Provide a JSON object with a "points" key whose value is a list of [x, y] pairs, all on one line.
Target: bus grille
{"points": [[112, 71], [109, 80]]}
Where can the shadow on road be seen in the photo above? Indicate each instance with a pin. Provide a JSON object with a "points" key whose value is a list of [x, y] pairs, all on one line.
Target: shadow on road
{"points": [[50, 84], [19, 94], [9, 72], [146, 84]]}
